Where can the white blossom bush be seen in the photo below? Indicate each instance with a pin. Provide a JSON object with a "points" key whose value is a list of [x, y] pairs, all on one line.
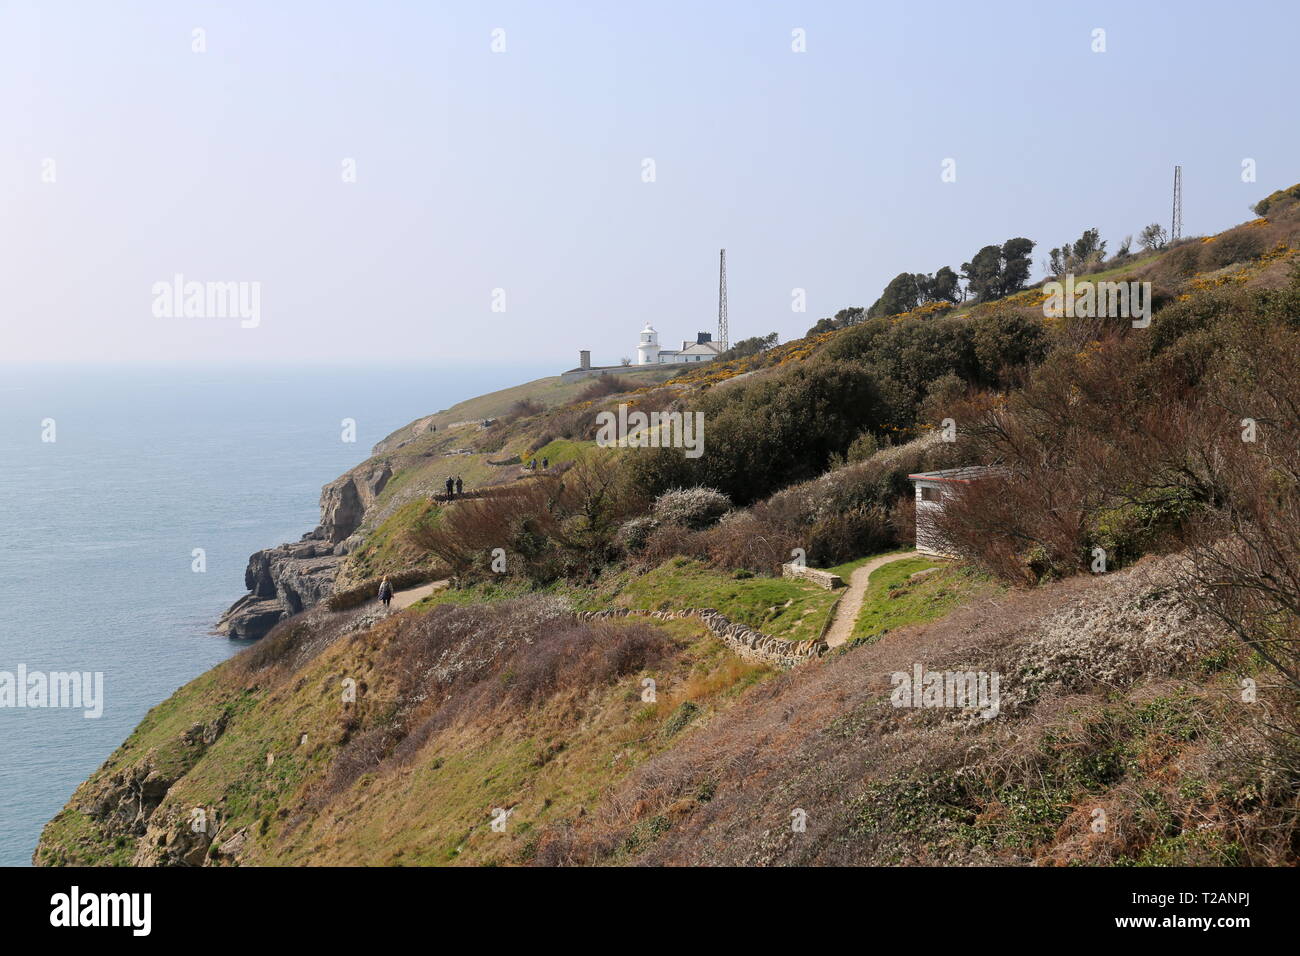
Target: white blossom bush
{"points": [[634, 534], [1138, 626], [693, 508]]}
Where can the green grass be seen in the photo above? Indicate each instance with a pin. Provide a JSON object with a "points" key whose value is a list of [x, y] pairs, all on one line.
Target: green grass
{"points": [[894, 600], [1112, 272], [478, 593], [434, 811], [846, 570], [793, 610], [548, 392], [386, 549], [559, 451]]}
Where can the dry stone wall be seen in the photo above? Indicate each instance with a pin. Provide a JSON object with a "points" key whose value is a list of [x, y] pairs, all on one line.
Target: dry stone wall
{"points": [[749, 643]]}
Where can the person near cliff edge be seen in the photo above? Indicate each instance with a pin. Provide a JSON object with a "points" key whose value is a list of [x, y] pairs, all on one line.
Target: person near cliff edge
{"points": [[385, 592], [451, 487], [460, 486]]}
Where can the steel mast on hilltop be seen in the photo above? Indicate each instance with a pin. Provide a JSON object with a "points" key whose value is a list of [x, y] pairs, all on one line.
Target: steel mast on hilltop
{"points": [[1176, 227], [722, 302]]}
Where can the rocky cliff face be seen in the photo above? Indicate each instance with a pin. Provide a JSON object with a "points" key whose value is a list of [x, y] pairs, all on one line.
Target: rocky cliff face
{"points": [[289, 578], [345, 501]]}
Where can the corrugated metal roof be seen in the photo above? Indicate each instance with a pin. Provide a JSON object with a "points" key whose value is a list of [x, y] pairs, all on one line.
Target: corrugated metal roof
{"points": [[964, 474]]}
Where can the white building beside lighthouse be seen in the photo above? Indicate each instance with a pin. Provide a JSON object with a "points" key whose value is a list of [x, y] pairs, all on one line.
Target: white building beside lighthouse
{"points": [[648, 352]]}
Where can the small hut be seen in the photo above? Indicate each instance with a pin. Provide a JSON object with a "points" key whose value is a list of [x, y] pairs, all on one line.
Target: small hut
{"points": [[932, 489]]}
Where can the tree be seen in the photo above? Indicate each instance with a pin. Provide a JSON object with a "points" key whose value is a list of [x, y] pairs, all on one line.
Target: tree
{"points": [[903, 294], [843, 319], [996, 272], [1153, 237], [983, 272], [1016, 264], [1085, 254], [750, 346], [944, 286], [1058, 262], [849, 316], [1089, 250]]}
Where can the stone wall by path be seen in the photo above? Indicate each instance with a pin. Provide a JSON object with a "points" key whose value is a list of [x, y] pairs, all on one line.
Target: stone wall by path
{"points": [[749, 643], [823, 579]]}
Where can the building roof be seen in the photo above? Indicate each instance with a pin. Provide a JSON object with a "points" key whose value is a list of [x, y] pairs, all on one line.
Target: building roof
{"points": [[963, 475]]}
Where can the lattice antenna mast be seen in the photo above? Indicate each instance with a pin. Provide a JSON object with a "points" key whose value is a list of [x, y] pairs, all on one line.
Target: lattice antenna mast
{"points": [[1176, 227], [722, 302]]}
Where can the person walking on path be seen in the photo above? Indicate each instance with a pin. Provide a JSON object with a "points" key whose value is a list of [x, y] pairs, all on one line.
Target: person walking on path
{"points": [[546, 463], [460, 486], [451, 487], [385, 592]]}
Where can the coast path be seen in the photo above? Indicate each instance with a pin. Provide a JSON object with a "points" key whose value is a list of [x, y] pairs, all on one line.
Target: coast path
{"points": [[846, 611], [408, 597]]}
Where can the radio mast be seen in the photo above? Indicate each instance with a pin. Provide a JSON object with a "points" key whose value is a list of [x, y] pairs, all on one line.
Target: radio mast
{"points": [[1176, 227], [722, 302]]}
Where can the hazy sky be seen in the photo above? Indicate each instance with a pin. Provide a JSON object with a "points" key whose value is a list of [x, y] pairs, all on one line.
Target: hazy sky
{"points": [[522, 170]]}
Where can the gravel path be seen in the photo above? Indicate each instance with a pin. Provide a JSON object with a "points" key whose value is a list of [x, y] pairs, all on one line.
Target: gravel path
{"points": [[846, 612], [408, 597]]}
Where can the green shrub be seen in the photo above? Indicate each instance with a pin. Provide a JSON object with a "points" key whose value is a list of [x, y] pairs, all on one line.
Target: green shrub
{"points": [[634, 534], [1239, 245], [680, 718], [1276, 199]]}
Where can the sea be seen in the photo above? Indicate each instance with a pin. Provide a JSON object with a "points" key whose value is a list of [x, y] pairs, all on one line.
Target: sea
{"points": [[130, 500]]}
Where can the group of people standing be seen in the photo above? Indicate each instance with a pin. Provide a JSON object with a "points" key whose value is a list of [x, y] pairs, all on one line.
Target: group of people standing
{"points": [[455, 486]]}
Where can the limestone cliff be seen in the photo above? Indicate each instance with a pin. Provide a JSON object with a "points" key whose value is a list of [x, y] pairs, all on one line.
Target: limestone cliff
{"points": [[290, 578]]}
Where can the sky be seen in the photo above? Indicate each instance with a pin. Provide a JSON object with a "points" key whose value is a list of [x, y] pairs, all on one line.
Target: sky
{"points": [[467, 183]]}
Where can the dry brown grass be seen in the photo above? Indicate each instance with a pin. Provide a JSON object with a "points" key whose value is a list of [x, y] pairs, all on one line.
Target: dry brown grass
{"points": [[883, 785], [485, 664]]}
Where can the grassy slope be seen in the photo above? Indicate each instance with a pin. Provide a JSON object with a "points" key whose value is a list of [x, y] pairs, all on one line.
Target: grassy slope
{"points": [[894, 599], [549, 392], [386, 549], [1148, 750], [1160, 744], [792, 610], [544, 765]]}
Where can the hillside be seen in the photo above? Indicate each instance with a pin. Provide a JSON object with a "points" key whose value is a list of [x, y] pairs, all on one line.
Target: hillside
{"points": [[514, 706], [598, 683]]}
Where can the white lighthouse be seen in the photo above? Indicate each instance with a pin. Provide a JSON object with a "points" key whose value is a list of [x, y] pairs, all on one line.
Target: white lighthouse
{"points": [[647, 350]]}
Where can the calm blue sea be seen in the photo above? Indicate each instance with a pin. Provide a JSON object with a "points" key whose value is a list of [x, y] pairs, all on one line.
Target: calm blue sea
{"points": [[97, 529]]}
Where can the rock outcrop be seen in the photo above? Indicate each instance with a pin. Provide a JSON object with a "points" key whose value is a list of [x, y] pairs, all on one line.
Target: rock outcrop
{"points": [[123, 805], [345, 501], [289, 578]]}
